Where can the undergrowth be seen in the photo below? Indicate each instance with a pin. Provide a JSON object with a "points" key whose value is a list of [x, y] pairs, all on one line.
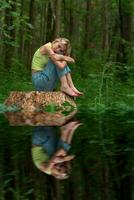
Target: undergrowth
{"points": [[102, 90]]}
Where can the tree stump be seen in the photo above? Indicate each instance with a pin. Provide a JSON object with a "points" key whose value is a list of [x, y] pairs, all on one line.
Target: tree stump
{"points": [[33, 108], [34, 100]]}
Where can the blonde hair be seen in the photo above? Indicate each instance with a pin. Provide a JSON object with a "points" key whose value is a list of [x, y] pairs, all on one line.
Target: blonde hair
{"points": [[66, 42]]}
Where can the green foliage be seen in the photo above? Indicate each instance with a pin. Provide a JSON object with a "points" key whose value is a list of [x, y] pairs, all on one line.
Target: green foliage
{"points": [[16, 22], [102, 89], [104, 144], [65, 108], [4, 108], [52, 108], [92, 74]]}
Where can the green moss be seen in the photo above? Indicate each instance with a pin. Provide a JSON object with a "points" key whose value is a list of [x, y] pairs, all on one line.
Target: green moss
{"points": [[65, 108], [4, 108], [51, 108]]}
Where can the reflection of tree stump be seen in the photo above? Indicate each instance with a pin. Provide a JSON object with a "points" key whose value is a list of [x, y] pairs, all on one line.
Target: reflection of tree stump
{"points": [[38, 118], [33, 104], [32, 101]]}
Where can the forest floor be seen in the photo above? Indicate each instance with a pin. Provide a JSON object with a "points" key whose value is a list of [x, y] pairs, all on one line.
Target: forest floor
{"points": [[100, 92]]}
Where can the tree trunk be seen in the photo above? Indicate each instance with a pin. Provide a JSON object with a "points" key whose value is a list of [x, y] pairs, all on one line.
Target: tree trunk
{"points": [[105, 27], [30, 44], [1, 32], [37, 100], [65, 17], [125, 36], [42, 24], [58, 19], [21, 42], [50, 21], [71, 19], [87, 24], [10, 37]]}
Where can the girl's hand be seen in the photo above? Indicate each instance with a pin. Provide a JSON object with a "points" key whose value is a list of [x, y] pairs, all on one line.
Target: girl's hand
{"points": [[69, 59], [58, 57], [61, 159], [60, 152]]}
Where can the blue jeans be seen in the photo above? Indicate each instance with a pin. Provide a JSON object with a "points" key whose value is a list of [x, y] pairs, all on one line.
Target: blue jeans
{"points": [[46, 80], [46, 137]]}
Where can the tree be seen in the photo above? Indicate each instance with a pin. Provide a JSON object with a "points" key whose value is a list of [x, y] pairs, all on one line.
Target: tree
{"points": [[57, 19], [9, 32], [125, 36]]}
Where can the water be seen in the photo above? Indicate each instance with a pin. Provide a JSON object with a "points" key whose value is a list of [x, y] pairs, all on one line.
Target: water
{"points": [[102, 169]]}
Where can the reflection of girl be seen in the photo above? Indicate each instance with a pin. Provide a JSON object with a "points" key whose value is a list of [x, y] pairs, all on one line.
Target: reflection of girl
{"points": [[50, 153]]}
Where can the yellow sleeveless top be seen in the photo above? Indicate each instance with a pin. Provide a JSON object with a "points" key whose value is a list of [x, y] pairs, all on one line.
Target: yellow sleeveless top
{"points": [[40, 60], [40, 156]]}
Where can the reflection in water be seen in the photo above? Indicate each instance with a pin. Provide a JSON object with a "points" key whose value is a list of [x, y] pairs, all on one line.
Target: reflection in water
{"points": [[103, 167], [39, 118], [50, 152]]}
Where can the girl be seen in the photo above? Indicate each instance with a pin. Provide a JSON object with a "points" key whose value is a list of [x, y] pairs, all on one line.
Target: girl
{"points": [[49, 64]]}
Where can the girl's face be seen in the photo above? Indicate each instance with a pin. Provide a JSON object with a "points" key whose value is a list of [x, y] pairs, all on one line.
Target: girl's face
{"points": [[59, 48], [60, 170]]}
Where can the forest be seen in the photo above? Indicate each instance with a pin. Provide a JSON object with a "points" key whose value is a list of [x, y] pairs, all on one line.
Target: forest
{"points": [[101, 33], [102, 39]]}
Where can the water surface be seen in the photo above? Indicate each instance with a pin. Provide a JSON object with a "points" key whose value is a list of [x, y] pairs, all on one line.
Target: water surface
{"points": [[102, 169]]}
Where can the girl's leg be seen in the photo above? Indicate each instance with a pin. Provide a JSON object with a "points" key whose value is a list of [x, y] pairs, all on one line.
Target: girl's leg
{"points": [[71, 84], [54, 73], [62, 74], [65, 87], [68, 130], [40, 81], [46, 137], [46, 79]]}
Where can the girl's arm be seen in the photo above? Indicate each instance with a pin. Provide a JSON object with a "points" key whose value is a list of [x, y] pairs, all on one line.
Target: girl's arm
{"points": [[46, 49], [59, 57], [61, 64]]}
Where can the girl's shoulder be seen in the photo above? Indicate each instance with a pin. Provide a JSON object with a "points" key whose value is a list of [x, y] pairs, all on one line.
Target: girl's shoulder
{"points": [[49, 44], [43, 48]]}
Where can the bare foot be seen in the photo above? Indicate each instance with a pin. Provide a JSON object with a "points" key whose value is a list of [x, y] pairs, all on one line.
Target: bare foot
{"points": [[68, 91], [76, 91], [69, 128]]}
